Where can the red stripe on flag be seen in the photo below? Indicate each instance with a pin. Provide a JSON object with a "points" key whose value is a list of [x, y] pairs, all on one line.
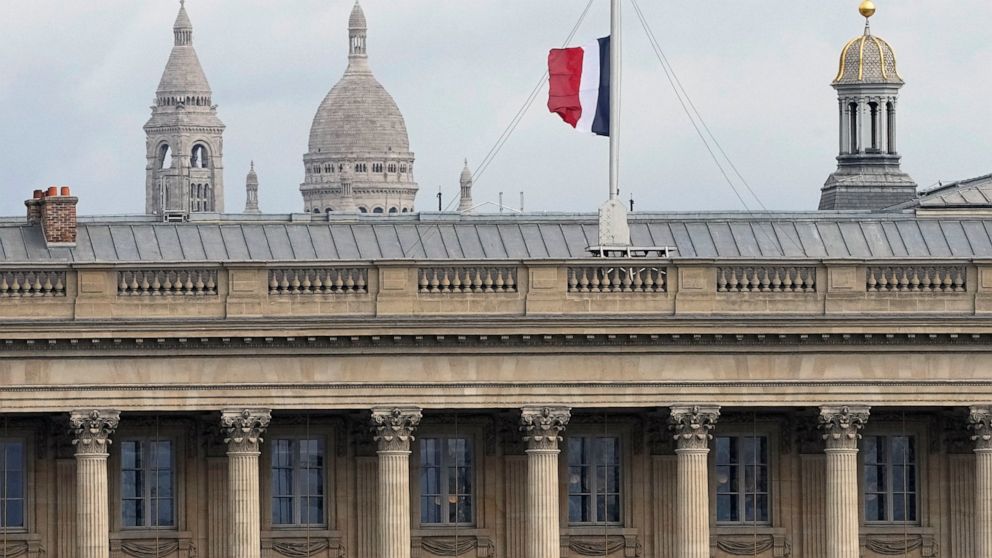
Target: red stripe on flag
{"points": [[565, 77]]}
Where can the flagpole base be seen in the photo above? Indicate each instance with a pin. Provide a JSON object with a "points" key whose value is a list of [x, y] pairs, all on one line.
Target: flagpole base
{"points": [[613, 227]]}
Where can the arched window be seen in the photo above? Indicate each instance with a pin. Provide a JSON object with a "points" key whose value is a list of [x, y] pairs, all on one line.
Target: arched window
{"points": [[165, 157], [404, 210], [330, 210], [392, 167], [199, 158], [392, 210], [377, 210], [874, 125], [362, 210], [403, 168], [853, 108]]}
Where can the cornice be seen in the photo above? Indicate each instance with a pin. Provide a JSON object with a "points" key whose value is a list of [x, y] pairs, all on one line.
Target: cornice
{"points": [[95, 343]]}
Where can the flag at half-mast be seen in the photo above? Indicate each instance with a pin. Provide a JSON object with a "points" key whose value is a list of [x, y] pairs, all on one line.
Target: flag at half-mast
{"points": [[580, 86]]}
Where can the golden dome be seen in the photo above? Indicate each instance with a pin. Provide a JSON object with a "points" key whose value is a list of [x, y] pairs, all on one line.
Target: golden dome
{"points": [[867, 8], [867, 59]]}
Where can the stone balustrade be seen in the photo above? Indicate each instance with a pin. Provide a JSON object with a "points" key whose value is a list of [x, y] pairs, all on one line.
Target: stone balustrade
{"points": [[475, 280], [315, 281], [32, 283], [652, 287], [161, 282], [918, 278], [617, 279], [766, 279]]}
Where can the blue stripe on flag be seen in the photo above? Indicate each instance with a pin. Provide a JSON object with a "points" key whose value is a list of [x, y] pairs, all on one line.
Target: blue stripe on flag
{"points": [[601, 123]]}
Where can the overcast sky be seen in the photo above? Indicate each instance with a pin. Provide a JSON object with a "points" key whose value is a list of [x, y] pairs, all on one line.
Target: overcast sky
{"points": [[77, 79]]}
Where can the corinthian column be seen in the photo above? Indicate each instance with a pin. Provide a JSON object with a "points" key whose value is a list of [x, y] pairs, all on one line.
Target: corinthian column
{"points": [[542, 428], [243, 431], [393, 430], [91, 431], [980, 421], [691, 426], [841, 428]]}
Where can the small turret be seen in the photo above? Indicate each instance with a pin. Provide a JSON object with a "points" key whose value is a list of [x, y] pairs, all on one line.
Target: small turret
{"points": [[251, 191], [465, 199]]}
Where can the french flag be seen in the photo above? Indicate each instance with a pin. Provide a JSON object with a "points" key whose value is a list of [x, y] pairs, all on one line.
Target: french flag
{"points": [[580, 86]]}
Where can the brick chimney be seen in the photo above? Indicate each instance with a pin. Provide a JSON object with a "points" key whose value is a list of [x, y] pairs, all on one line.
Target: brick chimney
{"points": [[55, 210]]}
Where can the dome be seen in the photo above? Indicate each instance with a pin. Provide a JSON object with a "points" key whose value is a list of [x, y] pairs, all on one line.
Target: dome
{"points": [[867, 59], [358, 116]]}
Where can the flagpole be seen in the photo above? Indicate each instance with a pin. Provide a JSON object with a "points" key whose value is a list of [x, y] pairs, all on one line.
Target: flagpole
{"points": [[614, 230], [616, 59]]}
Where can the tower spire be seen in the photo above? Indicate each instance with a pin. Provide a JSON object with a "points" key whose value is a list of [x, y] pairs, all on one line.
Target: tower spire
{"points": [[465, 197], [357, 31], [251, 191], [183, 28]]}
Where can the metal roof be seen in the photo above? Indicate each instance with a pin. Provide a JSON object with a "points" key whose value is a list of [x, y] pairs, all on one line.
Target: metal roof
{"points": [[289, 238]]}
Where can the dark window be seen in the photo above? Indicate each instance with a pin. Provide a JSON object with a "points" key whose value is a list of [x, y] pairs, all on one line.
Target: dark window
{"points": [[12, 484], [593, 479], [446, 481], [742, 479], [147, 481], [890, 491], [377, 210], [298, 482]]}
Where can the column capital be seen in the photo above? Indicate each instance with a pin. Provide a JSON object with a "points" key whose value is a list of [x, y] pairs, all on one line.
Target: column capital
{"points": [[91, 430], [393, 427], [542, 426], [842, 425], [691, 426], [243, 428], [980, 425]]}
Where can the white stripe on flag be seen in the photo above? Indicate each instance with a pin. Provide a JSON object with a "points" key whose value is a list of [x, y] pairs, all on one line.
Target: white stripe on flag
{"points": [[589, 87]]}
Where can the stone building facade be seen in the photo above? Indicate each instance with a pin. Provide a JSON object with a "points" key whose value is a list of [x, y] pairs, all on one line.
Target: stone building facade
{"points": [[327, 385]]}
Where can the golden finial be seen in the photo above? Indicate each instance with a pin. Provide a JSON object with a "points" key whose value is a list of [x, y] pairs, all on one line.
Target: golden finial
{"points": [[867, 8]]}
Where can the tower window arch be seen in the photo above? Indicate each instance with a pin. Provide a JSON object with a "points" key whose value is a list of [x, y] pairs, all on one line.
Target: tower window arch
{"points": [[165, 157], [392, 210], [875, 115], [377, 210], [199, 158], [363, 210]]}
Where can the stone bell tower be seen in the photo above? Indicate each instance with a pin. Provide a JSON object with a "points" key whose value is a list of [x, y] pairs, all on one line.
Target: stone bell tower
{"points": [[184, 146], [868, 174]]}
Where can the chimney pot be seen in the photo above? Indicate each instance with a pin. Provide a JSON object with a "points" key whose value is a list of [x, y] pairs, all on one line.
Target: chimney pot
{"points": [[53, 191], [65, 191], [38, 194]]}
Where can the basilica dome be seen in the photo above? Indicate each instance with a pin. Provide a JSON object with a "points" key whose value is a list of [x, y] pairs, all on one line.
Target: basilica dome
{"points": [[358, 116]]}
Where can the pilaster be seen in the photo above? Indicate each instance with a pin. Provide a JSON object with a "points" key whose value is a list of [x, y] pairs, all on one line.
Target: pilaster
{"points": [[841, 427], [691, 428]]}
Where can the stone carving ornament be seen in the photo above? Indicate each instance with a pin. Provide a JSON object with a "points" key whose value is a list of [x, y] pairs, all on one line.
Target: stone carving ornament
{"points": [[980, 424], [692, 425], [243, 429], [91, 430], [393, 428], [841, 426], [542, 426]]}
